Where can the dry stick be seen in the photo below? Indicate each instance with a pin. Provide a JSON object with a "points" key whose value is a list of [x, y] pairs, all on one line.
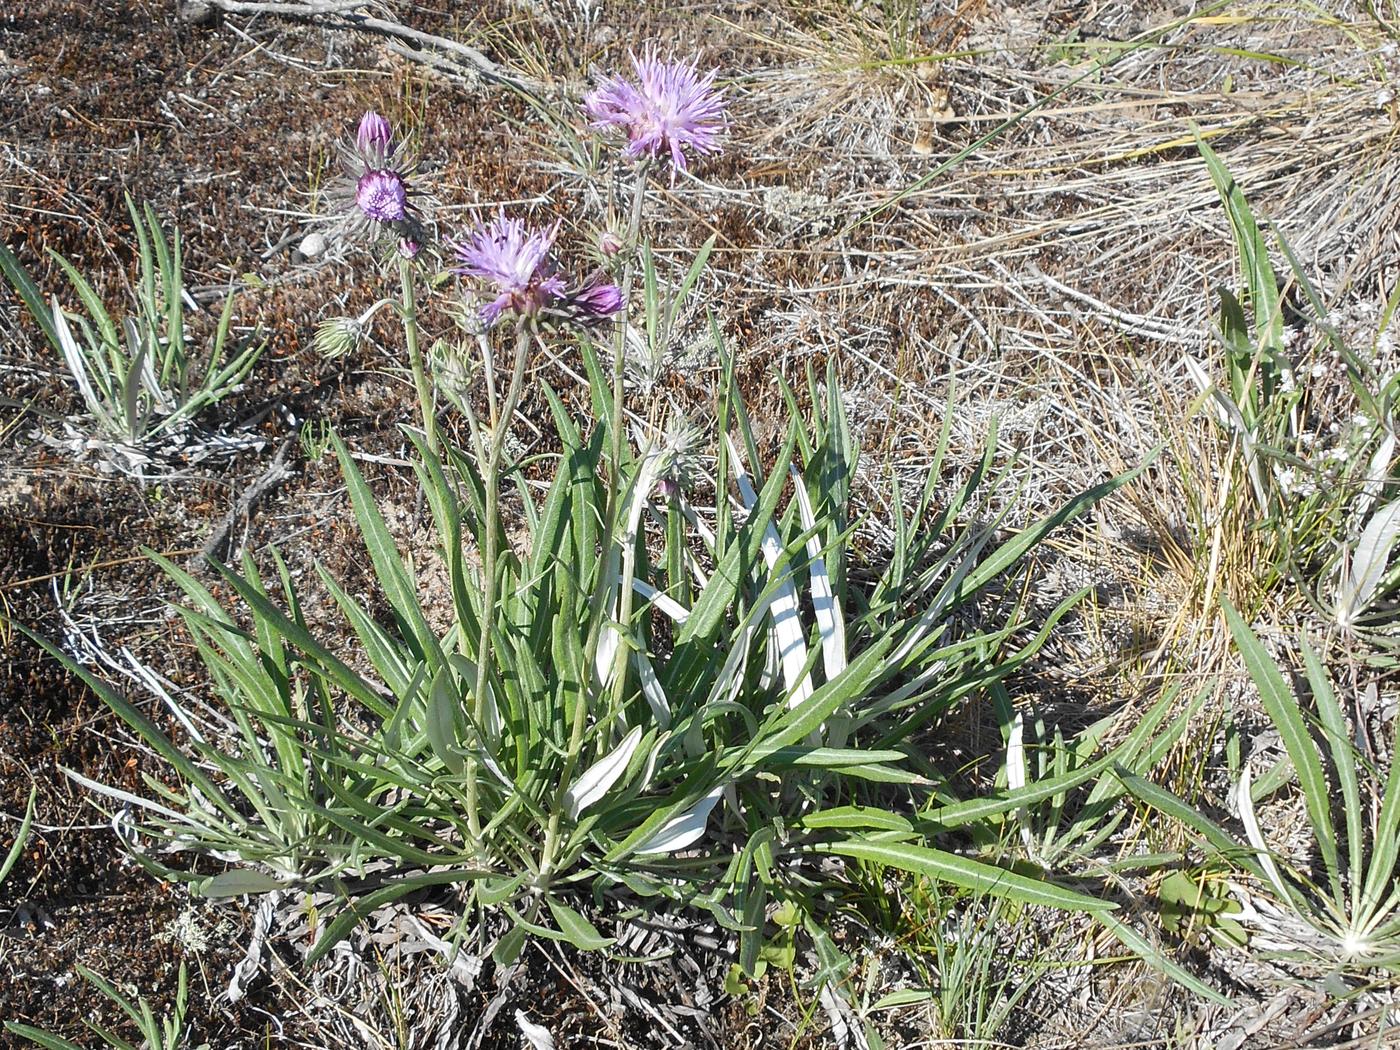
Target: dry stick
{"points": [[93, 566], [270, 477], [343, 14]]}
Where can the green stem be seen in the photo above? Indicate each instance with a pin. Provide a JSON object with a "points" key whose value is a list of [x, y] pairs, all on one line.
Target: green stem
{"points": [[408, 311], [490, 480]]}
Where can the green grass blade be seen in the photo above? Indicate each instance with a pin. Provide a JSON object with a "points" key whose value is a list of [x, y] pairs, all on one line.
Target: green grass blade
{"points": [[29, 293], [968, 874], [21, 836], [1334, 726], [1283, 710]]}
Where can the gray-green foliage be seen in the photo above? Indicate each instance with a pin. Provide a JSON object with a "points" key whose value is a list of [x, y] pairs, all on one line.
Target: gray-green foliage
{"points": [[1347, 911], [138, 375], [687, 715]]}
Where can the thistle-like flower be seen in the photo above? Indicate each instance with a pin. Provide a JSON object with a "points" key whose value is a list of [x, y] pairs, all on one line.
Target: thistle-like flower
{"points": [[670, 109], [375, 194], [516, 263], [513, 259]]}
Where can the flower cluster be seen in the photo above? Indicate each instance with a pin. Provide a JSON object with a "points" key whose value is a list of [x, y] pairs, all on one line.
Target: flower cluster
{"points": [[669, 109], [670, 112], [376, 191], [516, 262]]}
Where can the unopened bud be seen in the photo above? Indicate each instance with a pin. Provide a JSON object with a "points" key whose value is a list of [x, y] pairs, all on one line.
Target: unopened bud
{"points": [[610, 244]]}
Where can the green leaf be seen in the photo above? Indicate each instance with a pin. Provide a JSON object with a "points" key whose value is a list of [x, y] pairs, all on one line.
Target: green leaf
{"points": [[21, 836], [577, 930], [389, 569], [1385, 846], [1283, 710], [236, 882], [443, 705], [855, 817], [37, 1035], [1145, 950], [28, 291], [1212, 834], [971, 875]]}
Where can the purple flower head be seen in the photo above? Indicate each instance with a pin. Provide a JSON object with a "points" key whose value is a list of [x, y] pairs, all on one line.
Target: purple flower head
{"points": [[382, 195], [515, 260], [375, 193], [596, 302], [670, 109], [374, 140], [409, 247]]}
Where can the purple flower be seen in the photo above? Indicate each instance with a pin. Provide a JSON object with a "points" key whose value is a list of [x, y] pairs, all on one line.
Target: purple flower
{"points": [[610, 244], [669, 110], [375, 193], [598, 301], [382, 195], [515, 260], [374, 140]]}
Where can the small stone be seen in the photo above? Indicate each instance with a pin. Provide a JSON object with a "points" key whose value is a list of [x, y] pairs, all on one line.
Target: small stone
{"points": [[197, 12], [312, 245]]}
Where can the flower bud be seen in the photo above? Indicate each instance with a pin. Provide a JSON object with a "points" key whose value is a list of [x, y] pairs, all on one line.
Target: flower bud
{"points": [[374, 137], [610, 244]]}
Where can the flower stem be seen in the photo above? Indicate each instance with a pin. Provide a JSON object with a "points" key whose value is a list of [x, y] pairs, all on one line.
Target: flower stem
{"points": [[490, 480], [408, 311]]}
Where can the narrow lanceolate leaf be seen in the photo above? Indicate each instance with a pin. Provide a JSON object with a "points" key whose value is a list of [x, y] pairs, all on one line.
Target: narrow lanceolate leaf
{"points": [[73, 358], [652, 689], [1378, 471], [597, 780], [580, 932], [684, 829], [444, 704], [28, 291], [787, 621], [1144, 949], [1385, 845], [1256, 837], [1213, 835], [1334, 728], [21, 836], [399, 589], [1016, 771], [621, 566], [1368, 564], [236, 882], [672, 608], [970, 874], [1288, 720], [38, 1035], [824, 601]]}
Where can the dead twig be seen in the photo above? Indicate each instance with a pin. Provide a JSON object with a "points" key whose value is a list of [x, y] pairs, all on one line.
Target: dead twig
{"points": [[217, 544], [347, 14]]}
